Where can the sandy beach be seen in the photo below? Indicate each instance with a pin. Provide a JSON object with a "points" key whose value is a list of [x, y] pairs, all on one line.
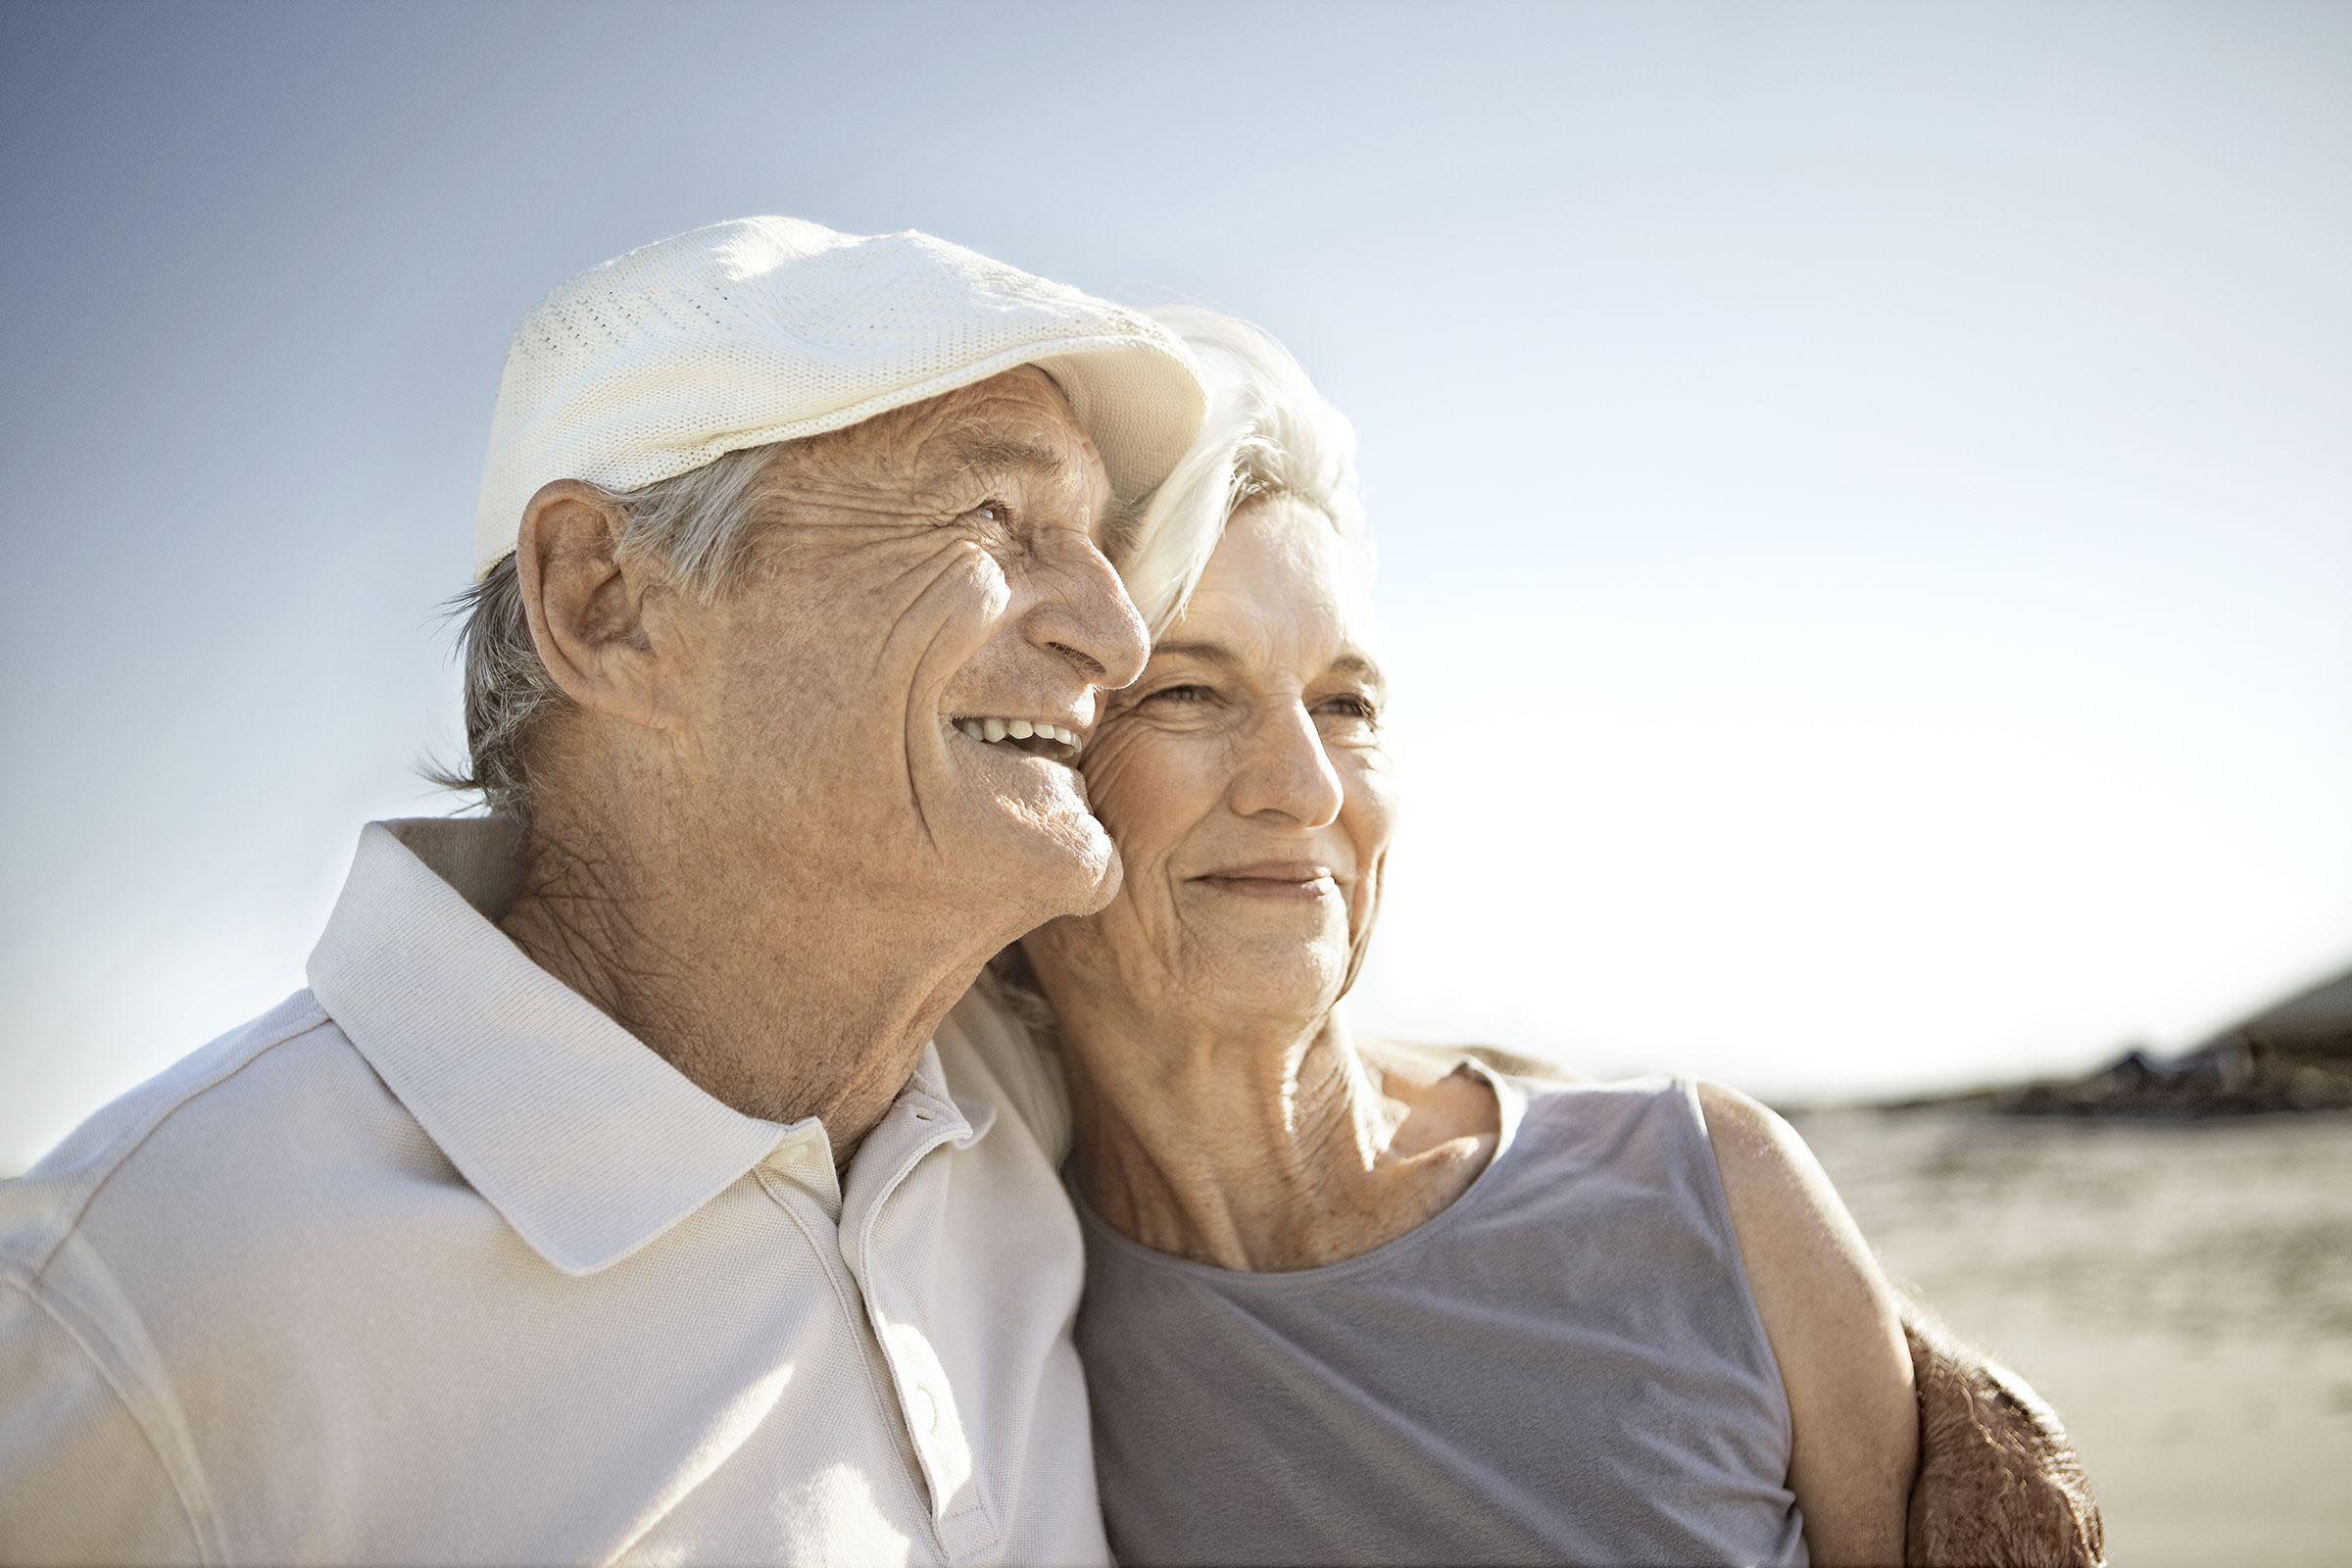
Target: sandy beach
{"points": [[2181, 1291]]}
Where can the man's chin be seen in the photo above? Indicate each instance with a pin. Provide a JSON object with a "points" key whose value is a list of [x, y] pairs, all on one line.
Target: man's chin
{"points": [[1042, 846], [1111, 872], [1051, 865], [1090, 863]]}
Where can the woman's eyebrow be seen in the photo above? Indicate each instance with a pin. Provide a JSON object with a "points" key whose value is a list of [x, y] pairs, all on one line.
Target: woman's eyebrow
{"points": [[1353, 662], [1208, 653]]}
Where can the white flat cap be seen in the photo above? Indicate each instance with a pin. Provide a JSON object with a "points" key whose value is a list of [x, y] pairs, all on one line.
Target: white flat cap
{"points": [[766, 329]]}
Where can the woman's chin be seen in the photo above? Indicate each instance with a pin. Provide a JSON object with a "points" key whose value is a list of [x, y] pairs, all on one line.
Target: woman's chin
{"points": [[1302, 983]]}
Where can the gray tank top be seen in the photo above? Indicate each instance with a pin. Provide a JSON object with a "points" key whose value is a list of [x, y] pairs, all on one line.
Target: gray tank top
{"points": [[1566, 1365]]}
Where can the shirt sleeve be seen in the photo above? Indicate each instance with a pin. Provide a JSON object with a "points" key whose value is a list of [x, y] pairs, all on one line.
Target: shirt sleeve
{"points": [[81, 1481]]}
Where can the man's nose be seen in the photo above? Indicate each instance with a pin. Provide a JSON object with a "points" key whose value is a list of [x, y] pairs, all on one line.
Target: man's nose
{"points": [[1087, 618], [1284, 770]]}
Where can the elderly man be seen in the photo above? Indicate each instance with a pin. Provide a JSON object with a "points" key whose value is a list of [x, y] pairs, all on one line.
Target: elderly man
{"points": [[615, 1188]]}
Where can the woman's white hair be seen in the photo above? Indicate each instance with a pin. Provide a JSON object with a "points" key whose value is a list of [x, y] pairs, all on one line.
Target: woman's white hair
{"points": [[1268, 434]]}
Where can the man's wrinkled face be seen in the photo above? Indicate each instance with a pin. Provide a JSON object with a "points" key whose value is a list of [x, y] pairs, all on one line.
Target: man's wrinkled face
{"points": [[1246, 784], [929, 612]]}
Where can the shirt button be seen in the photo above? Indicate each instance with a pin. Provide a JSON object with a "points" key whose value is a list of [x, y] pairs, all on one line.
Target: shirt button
{"points": [[925, 1411]]}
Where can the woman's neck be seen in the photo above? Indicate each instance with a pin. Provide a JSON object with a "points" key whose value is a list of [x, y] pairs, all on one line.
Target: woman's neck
{"points": [[1262, 1145]]}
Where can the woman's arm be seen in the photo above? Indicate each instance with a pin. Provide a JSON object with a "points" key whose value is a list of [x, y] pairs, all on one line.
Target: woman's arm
{"points": [[1836, 1329]]}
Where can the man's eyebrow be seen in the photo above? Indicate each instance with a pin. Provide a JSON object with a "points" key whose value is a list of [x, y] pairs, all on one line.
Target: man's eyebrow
{"points": [[998, 454], [1361, 665]]}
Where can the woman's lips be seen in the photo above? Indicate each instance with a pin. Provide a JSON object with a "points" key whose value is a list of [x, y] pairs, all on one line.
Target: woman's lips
{"points": [[1283, 881]]}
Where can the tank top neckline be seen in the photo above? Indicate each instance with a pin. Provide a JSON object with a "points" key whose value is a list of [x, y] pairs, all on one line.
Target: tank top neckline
{"points": [[1510, 1102]]}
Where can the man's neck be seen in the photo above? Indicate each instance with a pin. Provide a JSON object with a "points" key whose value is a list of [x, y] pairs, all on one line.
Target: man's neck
{"points": [[812, 1005], [1259, 1145]]}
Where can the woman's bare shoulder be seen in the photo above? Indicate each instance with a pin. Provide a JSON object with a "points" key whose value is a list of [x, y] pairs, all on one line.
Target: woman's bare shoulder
{"points": [[1836, 1330]]}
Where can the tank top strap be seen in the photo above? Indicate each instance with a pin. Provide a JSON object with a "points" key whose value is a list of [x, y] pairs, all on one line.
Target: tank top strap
{"points": [[1648, 1137]]}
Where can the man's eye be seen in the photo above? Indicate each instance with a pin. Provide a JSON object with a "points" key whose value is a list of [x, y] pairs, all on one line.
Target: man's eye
{"points": [[1181, 695], [1351, 707], [992, 513]]}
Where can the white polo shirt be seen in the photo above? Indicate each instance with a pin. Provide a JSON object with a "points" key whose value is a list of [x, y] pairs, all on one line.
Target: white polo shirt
{"points": [[435, 1263]]}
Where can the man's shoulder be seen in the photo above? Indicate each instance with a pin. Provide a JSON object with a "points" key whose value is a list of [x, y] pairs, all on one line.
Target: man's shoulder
{"points": [[222, 1116], [989, 1047]]}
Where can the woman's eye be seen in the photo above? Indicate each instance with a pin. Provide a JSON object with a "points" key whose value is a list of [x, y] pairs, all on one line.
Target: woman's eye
{"points": [[1180, 695], [1350, 707], [994, 513]]}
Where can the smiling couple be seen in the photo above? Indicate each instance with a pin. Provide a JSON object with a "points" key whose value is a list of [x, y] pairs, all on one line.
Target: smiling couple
{"points": [[873, 1090]]}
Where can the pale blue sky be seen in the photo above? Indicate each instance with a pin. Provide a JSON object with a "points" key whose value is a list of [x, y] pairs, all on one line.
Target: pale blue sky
{"points": [[1865, 492]]}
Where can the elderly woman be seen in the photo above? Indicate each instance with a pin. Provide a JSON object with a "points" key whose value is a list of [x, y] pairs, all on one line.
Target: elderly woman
{"points": [[1341, 1308]]}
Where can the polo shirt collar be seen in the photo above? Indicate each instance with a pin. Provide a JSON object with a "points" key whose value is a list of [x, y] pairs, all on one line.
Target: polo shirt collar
{"points": [[582, 1136]]}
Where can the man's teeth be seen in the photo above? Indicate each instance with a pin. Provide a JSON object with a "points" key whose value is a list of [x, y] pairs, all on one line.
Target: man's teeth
{"points": [[1019, 729]]}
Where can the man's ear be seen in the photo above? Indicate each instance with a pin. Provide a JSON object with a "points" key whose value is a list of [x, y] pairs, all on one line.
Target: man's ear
{"points": [[588, 608]]}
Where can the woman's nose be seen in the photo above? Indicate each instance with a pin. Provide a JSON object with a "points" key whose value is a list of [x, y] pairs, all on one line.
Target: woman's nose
{"points": [[1285, 771], [1087, 617]]}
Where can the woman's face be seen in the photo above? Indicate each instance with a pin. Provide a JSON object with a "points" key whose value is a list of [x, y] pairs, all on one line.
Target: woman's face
{"points": [[1243, 782]]}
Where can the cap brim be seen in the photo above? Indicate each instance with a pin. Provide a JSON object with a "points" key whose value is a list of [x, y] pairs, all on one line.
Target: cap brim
{"points": [[1140, 401], [1141, 404]]}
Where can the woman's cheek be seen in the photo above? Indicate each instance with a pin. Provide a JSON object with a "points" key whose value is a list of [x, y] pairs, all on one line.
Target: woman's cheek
{"points": [[1148, 787], [1371, 820], [1372, 801], [1363, 909], [1105, 771]]}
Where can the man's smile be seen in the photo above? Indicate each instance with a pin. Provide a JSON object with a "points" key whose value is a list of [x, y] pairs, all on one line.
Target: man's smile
{"points": [[1036, 737]]}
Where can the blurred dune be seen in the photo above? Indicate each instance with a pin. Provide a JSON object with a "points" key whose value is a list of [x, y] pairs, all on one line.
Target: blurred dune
{"points": [[2179, 1290], [2294, 1055], [2164, 1249]]}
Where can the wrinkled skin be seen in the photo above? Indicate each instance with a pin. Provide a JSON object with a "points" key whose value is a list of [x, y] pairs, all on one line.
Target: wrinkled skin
{"points": [[914, 575], [1251, 741], [758, 838]]}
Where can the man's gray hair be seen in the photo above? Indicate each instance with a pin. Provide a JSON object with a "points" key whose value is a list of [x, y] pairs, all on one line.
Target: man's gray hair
{"points": [[696, 528]]}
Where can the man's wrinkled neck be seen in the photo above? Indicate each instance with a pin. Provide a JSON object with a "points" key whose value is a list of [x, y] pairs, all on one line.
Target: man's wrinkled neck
{"points": [[779, 1004]]}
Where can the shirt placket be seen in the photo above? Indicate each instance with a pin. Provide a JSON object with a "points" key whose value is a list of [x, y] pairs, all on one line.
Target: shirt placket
{"points": [[803, 1183], [960, 1512]]}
